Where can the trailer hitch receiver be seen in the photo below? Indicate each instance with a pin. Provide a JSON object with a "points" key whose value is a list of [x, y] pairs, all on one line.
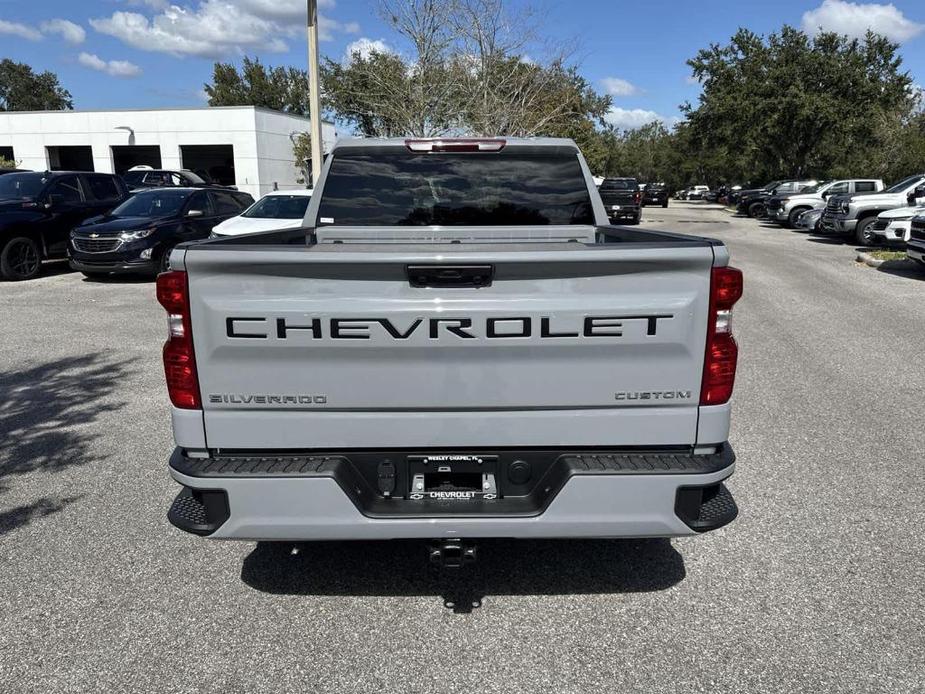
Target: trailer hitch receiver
{"points": [[452, 554]]}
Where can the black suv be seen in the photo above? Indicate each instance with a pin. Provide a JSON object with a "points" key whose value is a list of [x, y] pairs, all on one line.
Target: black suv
{"points": [[38, 211], [622, 199], [655, 194], [140, 179], [138, 235]]}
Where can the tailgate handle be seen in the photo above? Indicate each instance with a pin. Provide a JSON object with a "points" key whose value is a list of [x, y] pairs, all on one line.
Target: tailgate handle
{"points": [[450, 275]]}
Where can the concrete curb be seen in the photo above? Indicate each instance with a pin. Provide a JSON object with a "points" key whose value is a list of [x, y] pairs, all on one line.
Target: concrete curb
{"points": [[868, 259]]}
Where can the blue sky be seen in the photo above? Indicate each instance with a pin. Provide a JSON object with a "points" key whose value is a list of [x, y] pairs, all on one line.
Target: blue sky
{"points": [[156, 53]]}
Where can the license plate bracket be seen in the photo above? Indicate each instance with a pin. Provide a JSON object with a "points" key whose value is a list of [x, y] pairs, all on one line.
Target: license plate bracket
{"points": [[453, 477]]}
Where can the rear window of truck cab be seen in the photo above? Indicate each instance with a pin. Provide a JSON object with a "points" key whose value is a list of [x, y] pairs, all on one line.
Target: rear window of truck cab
{"points": [[619, 184], [393, 186]]}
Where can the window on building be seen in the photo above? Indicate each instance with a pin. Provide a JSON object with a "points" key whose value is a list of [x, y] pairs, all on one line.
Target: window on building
{"points": [[124, 157], [70, 158], [214, 163]]}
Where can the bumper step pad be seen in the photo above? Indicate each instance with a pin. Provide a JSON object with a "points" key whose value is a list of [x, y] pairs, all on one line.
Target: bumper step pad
{"points": [[200, 512], [706, 508]]}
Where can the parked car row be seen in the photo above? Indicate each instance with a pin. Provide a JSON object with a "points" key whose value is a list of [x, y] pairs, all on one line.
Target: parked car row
{"points": [[102, 227], [786, 209], [861, 210], [856, 215]]}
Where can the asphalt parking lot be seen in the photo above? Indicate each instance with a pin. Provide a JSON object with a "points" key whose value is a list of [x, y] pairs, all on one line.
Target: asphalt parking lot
{"points": [[818, 586]]}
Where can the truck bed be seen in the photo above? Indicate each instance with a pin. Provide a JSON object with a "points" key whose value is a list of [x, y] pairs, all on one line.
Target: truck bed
{"points": [[529, 357]]}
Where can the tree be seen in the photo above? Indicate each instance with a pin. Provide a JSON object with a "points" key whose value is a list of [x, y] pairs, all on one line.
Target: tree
{"points": [[465, 70], [278, 88], [383, 96], [302, 152], [794, 105], [21, 89]]}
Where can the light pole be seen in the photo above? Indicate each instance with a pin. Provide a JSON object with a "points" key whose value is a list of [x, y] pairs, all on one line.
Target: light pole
{"points": [[314, 92]]}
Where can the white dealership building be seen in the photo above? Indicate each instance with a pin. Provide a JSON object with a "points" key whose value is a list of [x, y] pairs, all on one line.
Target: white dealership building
{"points": [[245, 146]]}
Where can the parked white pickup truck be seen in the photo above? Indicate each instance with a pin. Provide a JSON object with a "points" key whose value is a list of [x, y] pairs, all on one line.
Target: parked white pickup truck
{"points": [[456, 344], [786, 209], [855, 215]]}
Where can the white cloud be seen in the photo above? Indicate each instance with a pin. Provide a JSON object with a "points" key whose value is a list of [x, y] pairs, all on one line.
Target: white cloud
{"points": [[854, 19], [115, 68], [22, 30], [215, 29], [70, 32], [281, 9], [616, 86], [690, 79], [155, 4], [364, 46], [218, 28], [632, 118]]}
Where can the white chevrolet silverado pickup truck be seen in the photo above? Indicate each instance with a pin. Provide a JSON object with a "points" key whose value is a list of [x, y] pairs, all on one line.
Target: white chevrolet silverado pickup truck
{"points": [[456, 344]]}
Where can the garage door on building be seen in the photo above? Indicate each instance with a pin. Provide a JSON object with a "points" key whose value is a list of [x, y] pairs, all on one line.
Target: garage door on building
{"points": [[213, 162], [125, 157], [70, 158]]}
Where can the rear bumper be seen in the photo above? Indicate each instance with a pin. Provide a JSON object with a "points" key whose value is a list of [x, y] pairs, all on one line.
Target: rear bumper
{"points": [[625, 212], [583, 495]]}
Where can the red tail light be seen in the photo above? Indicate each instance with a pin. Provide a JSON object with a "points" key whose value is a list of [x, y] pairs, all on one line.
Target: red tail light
{"points": [[179, 359], [637, 196], [722, 353]]}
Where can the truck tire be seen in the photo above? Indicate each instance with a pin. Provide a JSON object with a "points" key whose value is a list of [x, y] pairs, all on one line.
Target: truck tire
{"points": [[757, 210], [794, 215], [862, 233], [20, 259]]}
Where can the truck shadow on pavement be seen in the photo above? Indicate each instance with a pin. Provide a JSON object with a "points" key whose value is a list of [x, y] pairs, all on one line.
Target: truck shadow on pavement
{"points": [[907, 269], [47, 417], [504, 567]]}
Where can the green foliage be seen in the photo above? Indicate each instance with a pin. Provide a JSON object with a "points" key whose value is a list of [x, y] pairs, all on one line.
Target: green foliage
{"points": [[794, 105], [21, 89], [302, 153], [464, 72], [783, 105], [381, 97], [279, 88], [7, 163]]}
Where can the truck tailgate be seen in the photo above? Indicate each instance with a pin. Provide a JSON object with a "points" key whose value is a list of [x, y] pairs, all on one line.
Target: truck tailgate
{"points": [[333, 347]]}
